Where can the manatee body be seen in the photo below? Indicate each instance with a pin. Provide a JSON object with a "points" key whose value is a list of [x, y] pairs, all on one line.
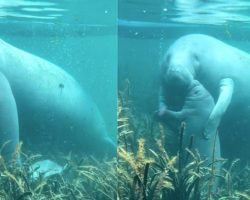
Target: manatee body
{"points": [[222, 69], [195, 111], [45, 106]]}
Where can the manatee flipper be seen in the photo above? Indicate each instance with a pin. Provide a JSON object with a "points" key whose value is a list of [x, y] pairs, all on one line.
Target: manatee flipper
{"points": [[164, 114], [173, 115], [162, 99], [45, 168], [225, 96], [9, 128]]}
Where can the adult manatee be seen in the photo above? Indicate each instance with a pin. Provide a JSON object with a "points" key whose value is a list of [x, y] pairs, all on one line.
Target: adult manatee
{"points": [[195, 111], [222, 69], [47, 107]]}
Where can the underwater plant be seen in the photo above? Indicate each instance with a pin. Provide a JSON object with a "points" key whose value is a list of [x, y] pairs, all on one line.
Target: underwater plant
{"points": [[82, 178], [148, 171]]}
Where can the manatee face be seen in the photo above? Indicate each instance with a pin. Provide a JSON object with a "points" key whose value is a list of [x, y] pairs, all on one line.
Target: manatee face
{"points": [[178, 70]]}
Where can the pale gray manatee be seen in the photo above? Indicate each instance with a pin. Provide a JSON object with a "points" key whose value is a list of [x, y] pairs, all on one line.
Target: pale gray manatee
{"points": [[194, 111], [45, 107], [224, 72]]}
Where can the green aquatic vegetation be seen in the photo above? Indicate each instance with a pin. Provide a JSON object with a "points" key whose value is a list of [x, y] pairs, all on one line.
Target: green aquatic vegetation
{"points": [[235, 181], [148, 171], [101, 181], [85, 178]]}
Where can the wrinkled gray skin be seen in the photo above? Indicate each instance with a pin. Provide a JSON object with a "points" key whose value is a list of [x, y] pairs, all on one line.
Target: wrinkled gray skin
{"points": [[195, 111], [46, 108], [223, 70]]}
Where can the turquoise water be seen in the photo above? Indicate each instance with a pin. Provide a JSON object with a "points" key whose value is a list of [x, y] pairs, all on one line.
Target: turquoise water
{"points": [[147, 29], [79, 36], [177, 12]]}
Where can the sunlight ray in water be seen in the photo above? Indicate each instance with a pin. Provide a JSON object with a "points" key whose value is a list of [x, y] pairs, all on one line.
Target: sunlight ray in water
{"points": [[25, 9], [215, 12]]}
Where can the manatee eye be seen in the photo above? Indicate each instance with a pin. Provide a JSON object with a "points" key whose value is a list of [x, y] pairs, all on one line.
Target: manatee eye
{"points": [[61, 85], [196, 91], [165, 64], [195, 57]]}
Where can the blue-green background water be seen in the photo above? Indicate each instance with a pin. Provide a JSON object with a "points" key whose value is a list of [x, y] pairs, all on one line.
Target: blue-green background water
{"points": [[77, 35], [80, 36], [147, 28]]}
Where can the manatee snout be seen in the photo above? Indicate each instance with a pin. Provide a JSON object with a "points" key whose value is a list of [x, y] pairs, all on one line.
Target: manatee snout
{"points": [[173, 75], [177, 76]]}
